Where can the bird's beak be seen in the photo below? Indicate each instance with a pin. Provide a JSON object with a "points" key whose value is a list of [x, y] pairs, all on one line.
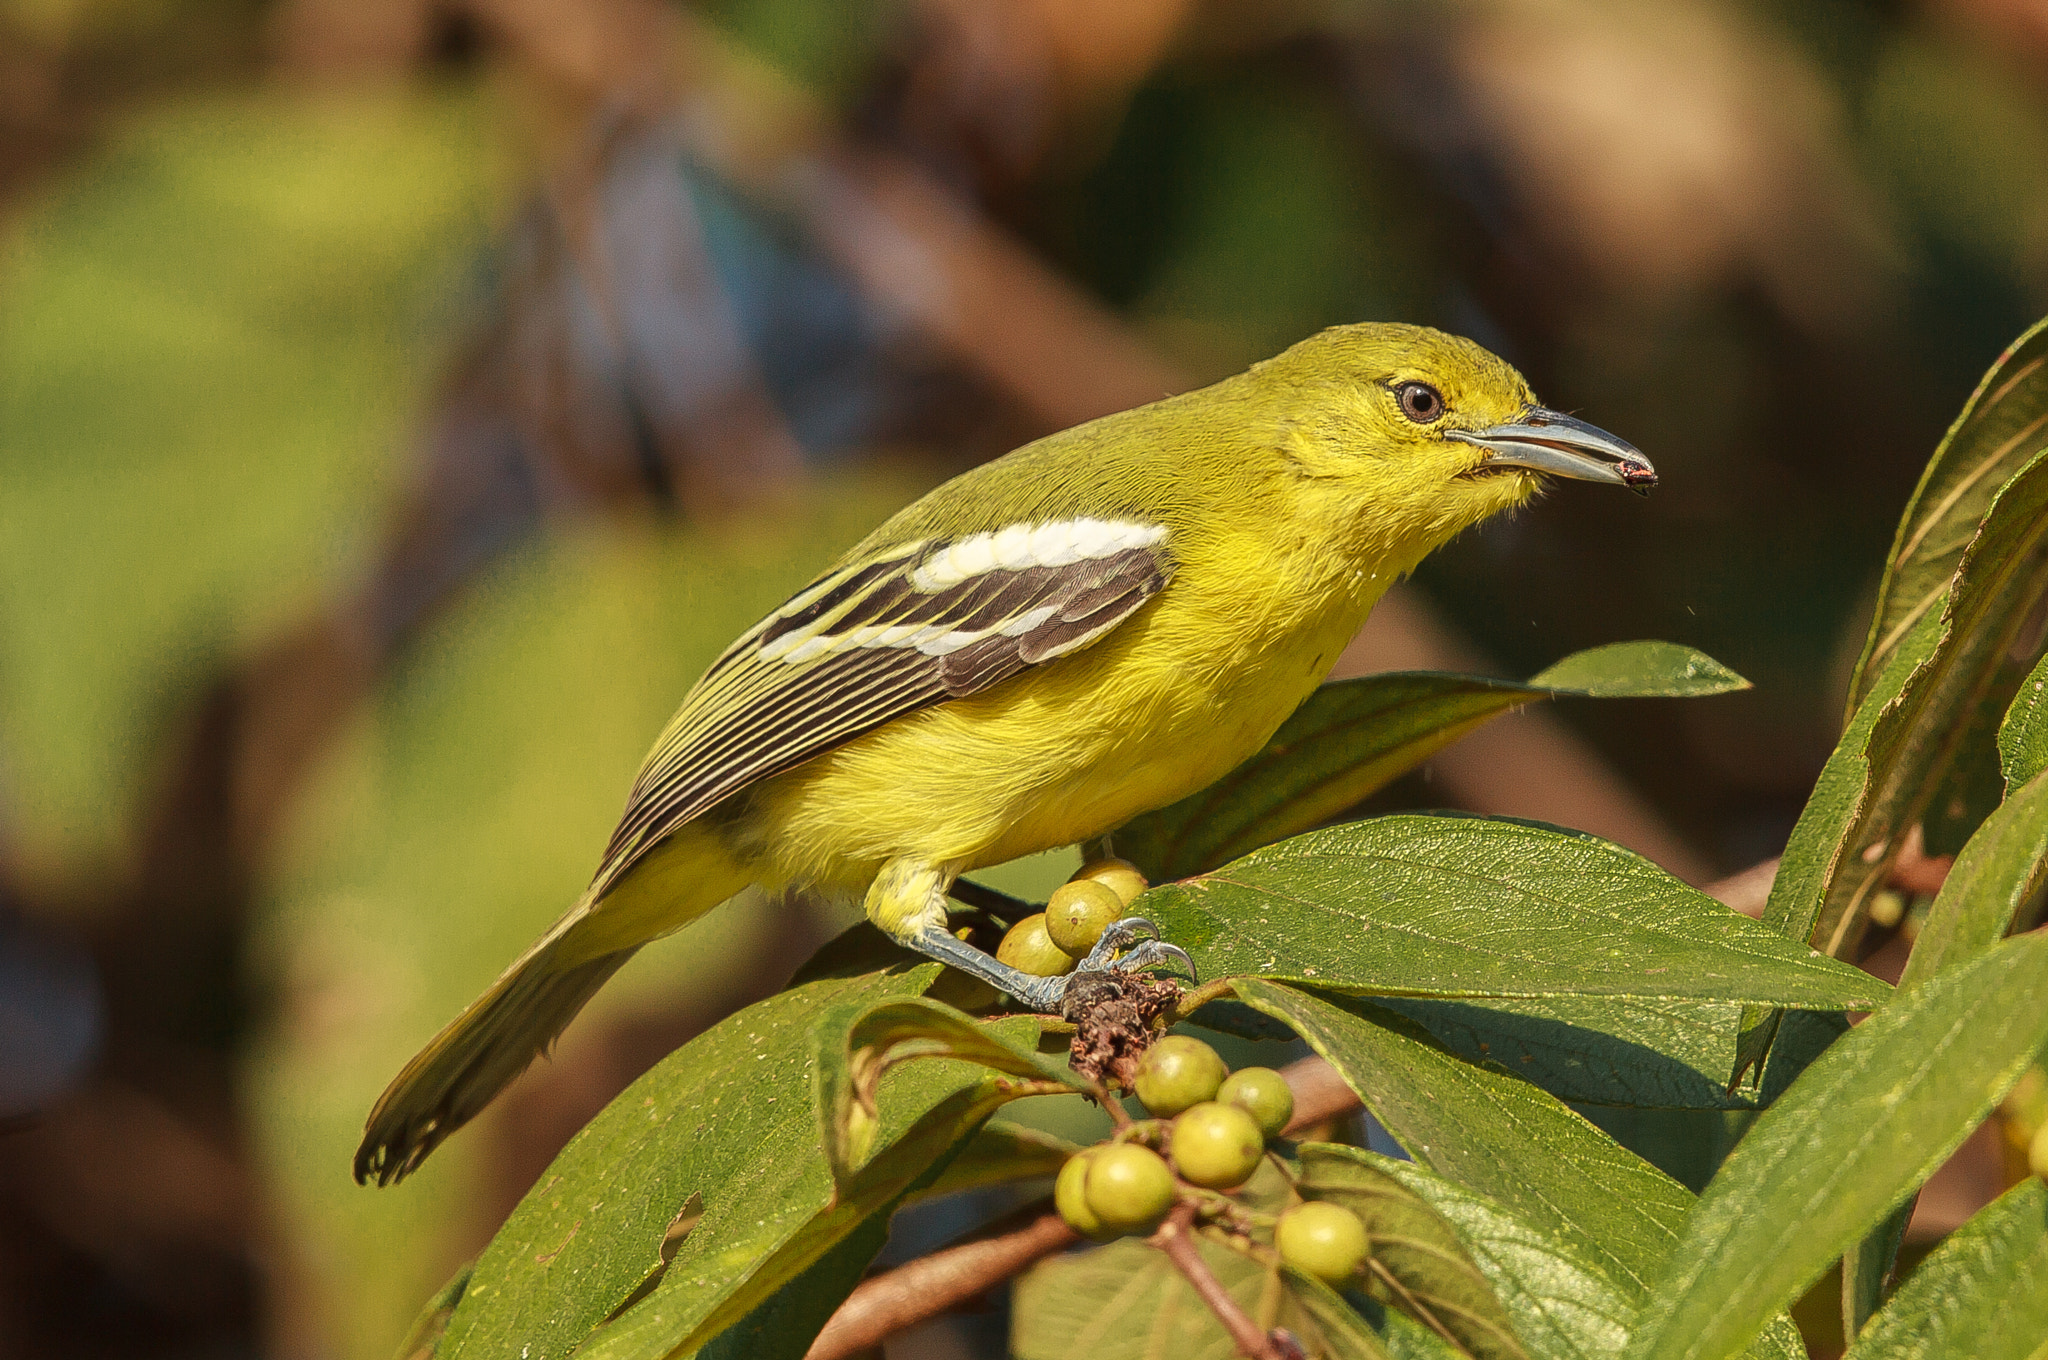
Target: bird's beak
{"points": [[1544, 440]]}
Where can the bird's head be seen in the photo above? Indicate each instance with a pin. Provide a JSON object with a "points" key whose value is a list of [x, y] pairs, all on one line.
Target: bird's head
{"points": [[1425, 434]]}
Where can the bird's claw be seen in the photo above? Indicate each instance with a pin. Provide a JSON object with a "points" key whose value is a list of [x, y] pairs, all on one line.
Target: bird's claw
{"points": [[1157, 954], [1143, 949]]}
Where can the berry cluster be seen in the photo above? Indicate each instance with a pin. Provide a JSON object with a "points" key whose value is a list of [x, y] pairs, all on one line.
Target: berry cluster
{"points": [[1050, 943], [1212, 1126]]}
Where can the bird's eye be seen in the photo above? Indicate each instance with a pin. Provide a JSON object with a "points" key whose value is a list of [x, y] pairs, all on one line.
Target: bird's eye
{"points": [[1420, 402]]}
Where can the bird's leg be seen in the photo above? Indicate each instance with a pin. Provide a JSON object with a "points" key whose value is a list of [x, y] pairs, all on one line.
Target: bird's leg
{"points": [[1038, 993], [908, 902]]}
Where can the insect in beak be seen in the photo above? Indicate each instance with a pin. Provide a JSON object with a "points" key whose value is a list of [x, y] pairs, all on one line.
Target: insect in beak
{"points": [[1548, 441]]}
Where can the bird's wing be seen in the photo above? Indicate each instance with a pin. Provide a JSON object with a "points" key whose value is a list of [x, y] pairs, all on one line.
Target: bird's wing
{"points": [[909, 626]]}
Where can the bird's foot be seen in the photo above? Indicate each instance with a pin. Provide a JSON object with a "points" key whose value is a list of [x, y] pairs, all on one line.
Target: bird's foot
{"points": [[1143, 950], [1137, 937]]}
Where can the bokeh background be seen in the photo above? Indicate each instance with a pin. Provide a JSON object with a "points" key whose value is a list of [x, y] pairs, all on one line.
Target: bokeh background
{"points": [[402, 400]]}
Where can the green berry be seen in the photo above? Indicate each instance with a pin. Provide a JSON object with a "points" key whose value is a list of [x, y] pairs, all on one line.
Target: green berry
{"points": [[1128, 1188], [1070, 1195], [2037, 1153], [1261, 1093], [1216, 1146], [1120, 876], [1078, 914], [1322, 1240], [1178, 1072], [1028, 949]]}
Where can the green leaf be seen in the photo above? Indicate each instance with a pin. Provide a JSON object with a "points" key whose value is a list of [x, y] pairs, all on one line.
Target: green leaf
{"points": [[728, 1121], [999, 1153], [1866, 1123], [1620, 1051], [1353, 736], [1982, 1294], [423, 1338], [1407, 1339], [1438, 1279], [1498, 1135], [1820, 837], [2023, 736], [1126, 1301], [860, 1042], [1922, 738], [783, 1325], [1466, 907], [1638, 670], [1494, 1134], [1555, 1301], [1673, 1055], [2001, 868], [2001, 427]]}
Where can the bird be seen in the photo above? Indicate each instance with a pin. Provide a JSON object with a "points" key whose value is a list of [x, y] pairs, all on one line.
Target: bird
{"points": [[1090, 627]]}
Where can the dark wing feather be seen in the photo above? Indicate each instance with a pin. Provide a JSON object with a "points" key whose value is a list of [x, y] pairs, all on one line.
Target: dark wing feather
{"points": [[858, 648]]}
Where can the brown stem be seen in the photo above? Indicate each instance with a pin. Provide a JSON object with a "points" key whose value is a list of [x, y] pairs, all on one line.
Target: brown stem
{"points": [[1175, 1239], [926, 1287], [1319, 1094]]}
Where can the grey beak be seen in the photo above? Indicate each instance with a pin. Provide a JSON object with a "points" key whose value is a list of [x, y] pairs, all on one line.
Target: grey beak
{"points": [[1544, 440]]}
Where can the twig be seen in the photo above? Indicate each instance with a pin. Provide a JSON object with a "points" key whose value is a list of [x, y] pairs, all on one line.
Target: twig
{"points": [[994, 901], [1178, 1243], [1320, 1094], [929, 1286], [1917, 872]]}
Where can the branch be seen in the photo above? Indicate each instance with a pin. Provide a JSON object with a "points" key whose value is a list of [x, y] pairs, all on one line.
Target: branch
{"points": [[1178, 1243], [1320, 1095], [994, 901], [931, 1285]]}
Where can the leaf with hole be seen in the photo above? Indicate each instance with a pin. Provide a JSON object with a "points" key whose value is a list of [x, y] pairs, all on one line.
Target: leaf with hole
{"points": [[862, 1041]]}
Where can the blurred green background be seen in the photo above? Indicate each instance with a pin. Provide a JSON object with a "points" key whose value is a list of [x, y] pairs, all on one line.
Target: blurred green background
{"points": [[402, 400]]}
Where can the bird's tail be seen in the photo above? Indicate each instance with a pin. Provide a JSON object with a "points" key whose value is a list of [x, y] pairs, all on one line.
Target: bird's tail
{"points": [[477, 1054], [484, 1048]]}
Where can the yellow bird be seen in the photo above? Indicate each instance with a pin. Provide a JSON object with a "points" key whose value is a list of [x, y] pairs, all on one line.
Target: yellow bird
{"points": [[1090, 627]]}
